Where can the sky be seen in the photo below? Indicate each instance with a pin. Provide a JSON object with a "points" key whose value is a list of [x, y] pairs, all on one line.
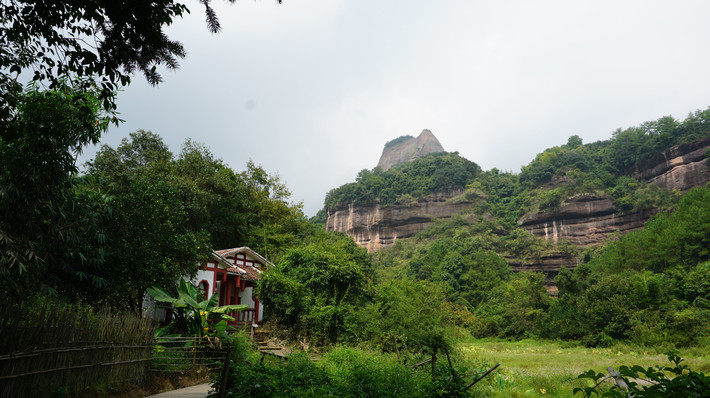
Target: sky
{"points": [[311, 90]]}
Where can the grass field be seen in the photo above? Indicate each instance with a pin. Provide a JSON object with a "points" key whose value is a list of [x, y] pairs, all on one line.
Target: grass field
{"points": [[537, 368]]}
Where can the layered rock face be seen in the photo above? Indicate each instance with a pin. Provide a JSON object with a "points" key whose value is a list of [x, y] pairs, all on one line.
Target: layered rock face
{"points": [[408, 150], [549, 265], [680, 167], [374, 226], [587, 220], [583, 220]]}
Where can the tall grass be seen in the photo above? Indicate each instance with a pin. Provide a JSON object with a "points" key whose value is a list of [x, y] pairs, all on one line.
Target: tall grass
{"points": [[342, 372], [63, 350], [527, 368], [548, 368]]}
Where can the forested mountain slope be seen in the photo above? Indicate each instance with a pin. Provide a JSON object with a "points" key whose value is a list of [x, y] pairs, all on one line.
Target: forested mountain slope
{"points": [[570, 197]]}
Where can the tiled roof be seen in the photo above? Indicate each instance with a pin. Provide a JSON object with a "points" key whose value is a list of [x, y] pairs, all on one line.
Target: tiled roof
{"points": [[252, 273], [247, 272], [245, 250]]}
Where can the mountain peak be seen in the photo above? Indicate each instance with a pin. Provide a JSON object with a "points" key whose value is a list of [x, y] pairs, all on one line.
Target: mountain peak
{"points": [[407, 148]]}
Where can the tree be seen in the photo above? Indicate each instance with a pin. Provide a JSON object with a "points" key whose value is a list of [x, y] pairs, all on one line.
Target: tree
{"points": [[574, 141], [105, 42], [44, 224], [116, 168], [152, 243], [168, 212], [83, 51], [315, 289], [516, 307], [409, 315]]}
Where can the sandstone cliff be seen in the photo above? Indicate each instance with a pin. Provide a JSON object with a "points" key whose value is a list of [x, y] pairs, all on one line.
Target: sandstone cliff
{"points": [[549, 265], [409, 149], [375, 226], [583, 220], [587, 220], [680, 167]]}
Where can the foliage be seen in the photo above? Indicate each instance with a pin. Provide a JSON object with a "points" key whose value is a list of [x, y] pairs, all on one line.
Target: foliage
{"points": [[650, 286], [470, 271], [342, 372], [677, 380], [45, 226], [195, 317], [102, 42], [618, 156], [432, 173], [680, 238], [515, 308], [315, 288], [408, 316], [171, 211], [398, 140]]}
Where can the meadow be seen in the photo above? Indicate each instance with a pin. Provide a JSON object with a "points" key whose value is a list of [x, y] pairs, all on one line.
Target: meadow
{"points": [[547, 368]]}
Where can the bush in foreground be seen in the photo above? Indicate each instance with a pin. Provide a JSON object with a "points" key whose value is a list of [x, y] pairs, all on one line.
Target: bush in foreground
{"points": [[677, 380], [343, 372]]}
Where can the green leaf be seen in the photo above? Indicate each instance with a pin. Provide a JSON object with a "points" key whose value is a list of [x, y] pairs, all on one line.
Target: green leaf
{"points": [[190, 301], [229, 308], [211, 303], [221, 326], [163, 297]]}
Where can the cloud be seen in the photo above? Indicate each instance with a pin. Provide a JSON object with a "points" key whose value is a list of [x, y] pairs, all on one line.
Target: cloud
{"points": [[312, 90]]}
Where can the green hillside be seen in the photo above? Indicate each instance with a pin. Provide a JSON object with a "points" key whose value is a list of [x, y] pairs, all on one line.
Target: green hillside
{"points": [[650, 287], [573, 168]]}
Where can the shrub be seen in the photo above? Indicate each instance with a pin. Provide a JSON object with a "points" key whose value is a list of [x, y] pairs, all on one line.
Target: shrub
{"points": [[677, 380], [343, 372]]}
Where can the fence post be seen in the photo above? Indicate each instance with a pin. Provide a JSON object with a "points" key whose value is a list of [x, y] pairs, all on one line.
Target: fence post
{"points": [[618, 379], [225, 372]]}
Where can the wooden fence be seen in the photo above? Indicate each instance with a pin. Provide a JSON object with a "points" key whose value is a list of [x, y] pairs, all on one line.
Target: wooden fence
{"points": [[61, 351], [193, 354], [183, 354]]}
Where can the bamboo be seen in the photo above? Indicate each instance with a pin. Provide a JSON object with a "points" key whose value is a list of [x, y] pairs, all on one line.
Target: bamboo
{"points": [[51, 347]]}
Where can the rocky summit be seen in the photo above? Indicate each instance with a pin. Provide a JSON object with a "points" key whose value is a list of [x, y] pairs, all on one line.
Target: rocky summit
{"points": [[408, 148]]}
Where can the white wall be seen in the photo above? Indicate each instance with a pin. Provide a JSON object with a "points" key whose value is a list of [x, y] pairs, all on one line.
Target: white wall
{"points": [[206, 275], [246, 297]]}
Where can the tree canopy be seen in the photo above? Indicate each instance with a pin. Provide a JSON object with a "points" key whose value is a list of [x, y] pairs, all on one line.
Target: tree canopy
{"points": [[104, 43], [45, 224], [415, 179]]}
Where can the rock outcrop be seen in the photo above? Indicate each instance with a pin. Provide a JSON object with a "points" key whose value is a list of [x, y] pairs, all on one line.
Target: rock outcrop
{"points": [[409, 149], [587, 220], [680, 167], [583, 220], [374, 226], [549, 265]]}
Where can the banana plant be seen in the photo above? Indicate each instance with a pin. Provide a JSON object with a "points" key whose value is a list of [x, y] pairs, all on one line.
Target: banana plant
{"points": [[193, 317]]}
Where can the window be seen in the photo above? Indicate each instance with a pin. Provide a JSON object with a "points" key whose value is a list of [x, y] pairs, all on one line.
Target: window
{"points": [[204, 287]]}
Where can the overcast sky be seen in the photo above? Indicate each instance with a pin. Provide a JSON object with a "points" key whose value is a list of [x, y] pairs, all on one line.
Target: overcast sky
{"points": [[312, 90]]}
